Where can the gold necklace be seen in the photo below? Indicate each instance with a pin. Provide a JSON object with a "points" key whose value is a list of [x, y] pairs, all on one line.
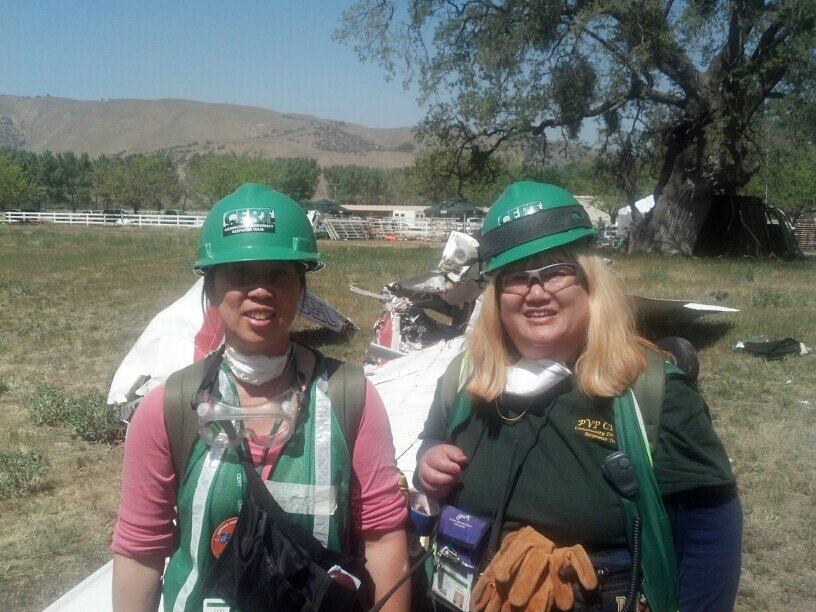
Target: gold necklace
{"points": [[514, 419]]}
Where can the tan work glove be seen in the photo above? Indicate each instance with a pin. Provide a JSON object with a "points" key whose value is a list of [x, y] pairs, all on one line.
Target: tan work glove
{"points": [[514, 573], [532, 579], [485, 590], [575, 557]]}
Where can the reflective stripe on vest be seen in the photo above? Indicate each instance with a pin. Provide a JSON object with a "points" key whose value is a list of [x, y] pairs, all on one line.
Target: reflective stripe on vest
{"points": [[311, 486]]}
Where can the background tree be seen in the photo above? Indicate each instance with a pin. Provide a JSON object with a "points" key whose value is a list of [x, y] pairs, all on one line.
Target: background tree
{"points": [[786, 136], [296, 177], [214, 176], [76, 179], [499, 75], [137, 181], [437, 175], [15, 189], [51, 178], [627, 165], [352, 184]]}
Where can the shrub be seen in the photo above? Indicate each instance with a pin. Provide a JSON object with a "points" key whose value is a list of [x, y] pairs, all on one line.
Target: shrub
{"points": [[771, 298], [4, 386], [96, 421], [49, 405], [20, 287], [89, 415], [21, 472]]}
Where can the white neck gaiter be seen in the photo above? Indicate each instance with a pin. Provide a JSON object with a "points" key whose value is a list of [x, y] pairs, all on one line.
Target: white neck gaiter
{"points": [[256, 369], [532, 376]]}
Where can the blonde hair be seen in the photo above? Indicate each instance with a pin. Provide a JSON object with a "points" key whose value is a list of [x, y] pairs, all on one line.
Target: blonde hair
{"points": [[612, 355]]}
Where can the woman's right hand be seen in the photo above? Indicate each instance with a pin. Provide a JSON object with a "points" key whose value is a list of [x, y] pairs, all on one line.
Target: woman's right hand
{"points": [[440, 469]]}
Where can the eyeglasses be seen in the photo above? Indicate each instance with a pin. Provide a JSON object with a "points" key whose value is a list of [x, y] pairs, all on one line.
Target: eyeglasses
{"points": [[245, 275], [552, 278]]}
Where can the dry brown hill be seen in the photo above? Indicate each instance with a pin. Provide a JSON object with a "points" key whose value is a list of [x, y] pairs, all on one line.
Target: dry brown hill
{"points": [[183, 127]]}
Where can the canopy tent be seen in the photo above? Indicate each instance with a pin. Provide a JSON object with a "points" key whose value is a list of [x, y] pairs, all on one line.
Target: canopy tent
{"points": [[453, 207], [327, 207]]}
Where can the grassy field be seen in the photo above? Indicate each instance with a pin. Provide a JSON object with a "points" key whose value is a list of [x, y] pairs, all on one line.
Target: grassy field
{"points": [[73, 300]]}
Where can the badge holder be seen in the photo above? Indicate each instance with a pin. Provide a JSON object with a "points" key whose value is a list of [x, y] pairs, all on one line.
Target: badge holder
{"points": [[459, 543]]}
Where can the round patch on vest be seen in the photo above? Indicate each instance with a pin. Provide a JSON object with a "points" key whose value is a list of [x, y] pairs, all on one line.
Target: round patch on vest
{"points": [[222, 536]]}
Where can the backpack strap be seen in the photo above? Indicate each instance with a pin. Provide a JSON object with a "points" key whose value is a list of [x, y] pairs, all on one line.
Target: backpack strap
{"points": [[649, 389], [454, 378], [180, 420], [347, 396]]}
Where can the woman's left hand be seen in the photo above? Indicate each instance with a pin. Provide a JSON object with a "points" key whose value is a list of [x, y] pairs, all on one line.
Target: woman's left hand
{"points": [[440, 469]]}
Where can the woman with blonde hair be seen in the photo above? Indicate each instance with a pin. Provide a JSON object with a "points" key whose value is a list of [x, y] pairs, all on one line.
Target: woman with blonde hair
{"points": [[595, 460]]}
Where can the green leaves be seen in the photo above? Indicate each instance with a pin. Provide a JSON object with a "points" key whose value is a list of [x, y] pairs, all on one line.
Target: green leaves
{"points": [[671, 80], [137, 181], [358, 184], [573, 91], [15, 189], [214, 176]]}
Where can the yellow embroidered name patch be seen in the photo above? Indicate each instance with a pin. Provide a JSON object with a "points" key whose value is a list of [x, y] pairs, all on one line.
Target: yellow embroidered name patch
{"points": [[595, 429]]}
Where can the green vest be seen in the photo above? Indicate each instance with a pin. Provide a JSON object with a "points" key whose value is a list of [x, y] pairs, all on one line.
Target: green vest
{"points": [[310, 481]]}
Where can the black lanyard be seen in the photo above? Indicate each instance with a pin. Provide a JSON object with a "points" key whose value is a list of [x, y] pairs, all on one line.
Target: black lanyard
{"points": [[513, 474]]}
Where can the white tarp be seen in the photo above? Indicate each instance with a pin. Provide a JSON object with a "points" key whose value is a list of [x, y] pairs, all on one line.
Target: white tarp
{"points": [[625, 213], [173, 339], [407, 387]]}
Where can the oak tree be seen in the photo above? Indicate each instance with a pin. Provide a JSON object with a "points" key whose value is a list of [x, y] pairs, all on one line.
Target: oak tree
{"points": [[688, 74]]}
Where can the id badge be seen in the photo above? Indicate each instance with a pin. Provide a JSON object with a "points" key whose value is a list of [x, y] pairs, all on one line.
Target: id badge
{"points": [[453, 580], [459, 540], [212, 604]]}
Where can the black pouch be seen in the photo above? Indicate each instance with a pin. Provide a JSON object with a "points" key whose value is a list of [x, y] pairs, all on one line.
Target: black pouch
{"points": [[614, 568], [272, 564], [774, 349]]}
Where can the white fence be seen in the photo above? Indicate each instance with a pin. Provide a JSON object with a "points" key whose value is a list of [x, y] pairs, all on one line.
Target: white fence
{"points": [[338, 229], [396, 228], [99, 218]]}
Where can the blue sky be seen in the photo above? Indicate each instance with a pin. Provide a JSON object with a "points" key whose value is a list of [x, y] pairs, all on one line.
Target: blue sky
{"points": [[274, 54]]}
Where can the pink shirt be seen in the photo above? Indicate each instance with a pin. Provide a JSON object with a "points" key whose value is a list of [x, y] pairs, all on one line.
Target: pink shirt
{"points": [[147, 506]]}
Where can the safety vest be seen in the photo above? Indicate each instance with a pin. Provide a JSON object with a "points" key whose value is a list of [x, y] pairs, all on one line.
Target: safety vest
{"points": [[310, 481]]}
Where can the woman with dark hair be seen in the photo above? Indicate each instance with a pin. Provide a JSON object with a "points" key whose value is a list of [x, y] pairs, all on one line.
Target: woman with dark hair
{"points": [[268, 402], [526, 423]]}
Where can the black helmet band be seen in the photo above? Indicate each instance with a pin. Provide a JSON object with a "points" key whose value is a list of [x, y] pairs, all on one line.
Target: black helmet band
{"points": [[539, 224]]}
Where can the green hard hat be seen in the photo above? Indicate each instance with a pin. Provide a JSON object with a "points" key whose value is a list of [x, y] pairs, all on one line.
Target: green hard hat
{"points": [[530, 218], [256, 223]]}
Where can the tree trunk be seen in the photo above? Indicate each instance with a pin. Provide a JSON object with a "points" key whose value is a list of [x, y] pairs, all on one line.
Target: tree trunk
{"points": [[673, 226]]}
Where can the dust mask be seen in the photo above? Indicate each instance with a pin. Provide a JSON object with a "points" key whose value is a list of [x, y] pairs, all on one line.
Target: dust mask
{"points": [[532, 376], [256, 369]]}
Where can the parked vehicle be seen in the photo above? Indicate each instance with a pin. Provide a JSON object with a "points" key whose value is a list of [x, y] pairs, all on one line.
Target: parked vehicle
{"points": [[112, 215]]}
